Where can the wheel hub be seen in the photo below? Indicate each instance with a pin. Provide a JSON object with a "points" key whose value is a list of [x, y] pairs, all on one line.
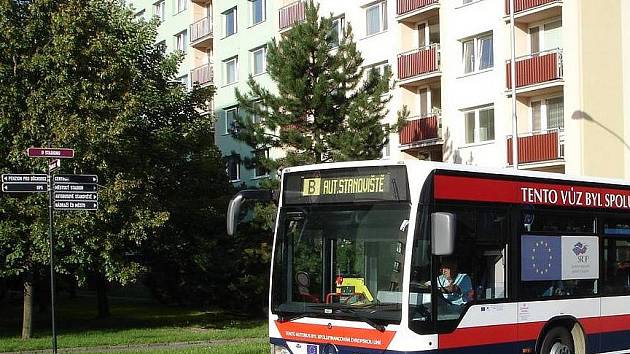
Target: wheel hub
{"points": [[560, 348]]}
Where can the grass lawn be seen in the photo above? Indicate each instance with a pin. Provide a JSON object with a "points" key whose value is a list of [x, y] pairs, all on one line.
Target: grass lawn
{"points": [[131, 322], [260, 347]]}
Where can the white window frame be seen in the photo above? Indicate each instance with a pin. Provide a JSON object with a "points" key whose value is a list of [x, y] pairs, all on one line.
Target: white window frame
{"points": [[541, 34], [476, 128], [181, 41], [226, 13], [225, 70], [477, 52], [159, 10], [544, 118], [253, 60], [180, 6], [382, 5], [226, 121], [252, 12], [339, 24], [266, 152]]}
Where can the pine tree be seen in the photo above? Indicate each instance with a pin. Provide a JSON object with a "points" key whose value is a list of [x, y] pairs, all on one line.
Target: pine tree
{"points": [[327, 107]]}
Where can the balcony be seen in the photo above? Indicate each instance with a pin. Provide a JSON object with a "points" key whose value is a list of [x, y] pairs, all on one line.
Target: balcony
{"points": [[528, 11], [536, 72], [202, 75], [413, 11], [418, 65], [420, 131], [538, 147], [201, 33], [291, 14]]}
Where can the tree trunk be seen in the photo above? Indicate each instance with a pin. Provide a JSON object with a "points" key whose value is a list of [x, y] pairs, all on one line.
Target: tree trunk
{"points": [[101, 295], [27, 318]]}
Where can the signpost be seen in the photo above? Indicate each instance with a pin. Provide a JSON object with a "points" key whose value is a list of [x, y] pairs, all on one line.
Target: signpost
{"points": [[65, 192], [55, 153]]}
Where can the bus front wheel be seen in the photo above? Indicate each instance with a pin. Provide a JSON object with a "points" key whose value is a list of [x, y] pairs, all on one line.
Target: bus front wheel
{"points": [[557, 341]]}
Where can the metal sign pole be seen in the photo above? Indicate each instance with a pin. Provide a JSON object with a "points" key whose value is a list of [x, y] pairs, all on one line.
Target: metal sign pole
{"points": [[52, 259]]}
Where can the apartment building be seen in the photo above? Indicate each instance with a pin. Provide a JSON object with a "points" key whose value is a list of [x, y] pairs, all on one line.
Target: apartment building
{"points": [[243, 28], [186, 26], [451, 61], [572, 85]]}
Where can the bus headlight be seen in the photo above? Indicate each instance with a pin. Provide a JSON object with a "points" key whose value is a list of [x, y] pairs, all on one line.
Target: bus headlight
{"points": [[277, 349]]}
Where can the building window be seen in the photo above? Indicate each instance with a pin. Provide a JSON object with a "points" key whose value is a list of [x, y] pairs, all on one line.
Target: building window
{"points": [[255, 118], [159, 10], [180, 5], [376, 18], [230, 21], [478, 53], [229, 115], [259, 60], [231, 70], [552, 109], [339, 26], [479, 125], [162, 45], [260, 169], [139, 14], [380, 69], [257, 11], [545, 37], [181, 41], [233, 167], [183, 80]]}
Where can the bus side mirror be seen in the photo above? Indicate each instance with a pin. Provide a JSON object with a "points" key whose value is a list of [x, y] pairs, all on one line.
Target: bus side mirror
{"points": [[234, 208], [442, 233]]}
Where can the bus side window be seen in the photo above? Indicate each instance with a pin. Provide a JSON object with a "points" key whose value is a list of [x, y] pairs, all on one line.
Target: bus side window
{"points": [[616, 266]]}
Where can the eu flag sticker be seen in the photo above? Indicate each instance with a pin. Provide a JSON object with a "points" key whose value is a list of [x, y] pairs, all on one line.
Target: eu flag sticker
{"points": [[541, 258], [311, 349]]}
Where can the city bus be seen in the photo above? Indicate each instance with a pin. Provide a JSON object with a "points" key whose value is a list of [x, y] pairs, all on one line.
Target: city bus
{"points": [[424, 257]]}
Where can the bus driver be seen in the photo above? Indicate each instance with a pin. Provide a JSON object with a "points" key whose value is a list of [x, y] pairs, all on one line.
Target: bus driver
{"points": [[456, 287]]}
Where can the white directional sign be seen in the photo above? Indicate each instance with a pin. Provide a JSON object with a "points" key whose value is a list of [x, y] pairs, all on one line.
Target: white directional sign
{"points": [[75, 205], [24, 183], [75, 192]]}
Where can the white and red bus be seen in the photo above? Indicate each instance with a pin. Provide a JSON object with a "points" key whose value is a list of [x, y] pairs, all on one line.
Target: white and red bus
{"points": [[421, 257]]}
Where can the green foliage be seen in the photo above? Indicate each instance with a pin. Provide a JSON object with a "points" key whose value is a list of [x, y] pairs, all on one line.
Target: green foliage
{"points": [[326, 109], [87, 75]]}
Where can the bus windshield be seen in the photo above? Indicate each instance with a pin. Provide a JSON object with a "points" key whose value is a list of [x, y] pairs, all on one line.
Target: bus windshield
{"points": [[341, 261]]}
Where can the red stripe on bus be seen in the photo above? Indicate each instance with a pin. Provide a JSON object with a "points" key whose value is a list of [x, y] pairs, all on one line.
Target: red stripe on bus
{"points": [[525, 192], [486, 335]]}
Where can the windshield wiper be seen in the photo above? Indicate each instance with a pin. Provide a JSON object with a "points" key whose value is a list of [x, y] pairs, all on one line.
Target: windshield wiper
{"points": [[359, 315], [286, 316]]}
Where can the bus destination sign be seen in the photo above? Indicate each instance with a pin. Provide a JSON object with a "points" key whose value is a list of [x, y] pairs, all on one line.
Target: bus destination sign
{"points": [[378, 183], [345, 185]]}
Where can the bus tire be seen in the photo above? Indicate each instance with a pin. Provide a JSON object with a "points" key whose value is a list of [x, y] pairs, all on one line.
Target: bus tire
{"points": [[558, 340]]}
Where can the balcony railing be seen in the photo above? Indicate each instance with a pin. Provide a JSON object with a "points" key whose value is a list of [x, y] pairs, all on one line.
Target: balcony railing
{"points": [[536, 68], [291, 14], [405, 6], [419, 129], [524, 5], [537, 147], [201, 29], [202, 74], [418, 61]]}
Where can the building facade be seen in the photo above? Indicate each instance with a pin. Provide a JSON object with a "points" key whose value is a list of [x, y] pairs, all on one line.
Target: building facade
{"points": [[451, 62]]}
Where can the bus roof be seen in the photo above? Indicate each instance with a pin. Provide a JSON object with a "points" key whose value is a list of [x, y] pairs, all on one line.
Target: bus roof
{"points": [[431, 165]]}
